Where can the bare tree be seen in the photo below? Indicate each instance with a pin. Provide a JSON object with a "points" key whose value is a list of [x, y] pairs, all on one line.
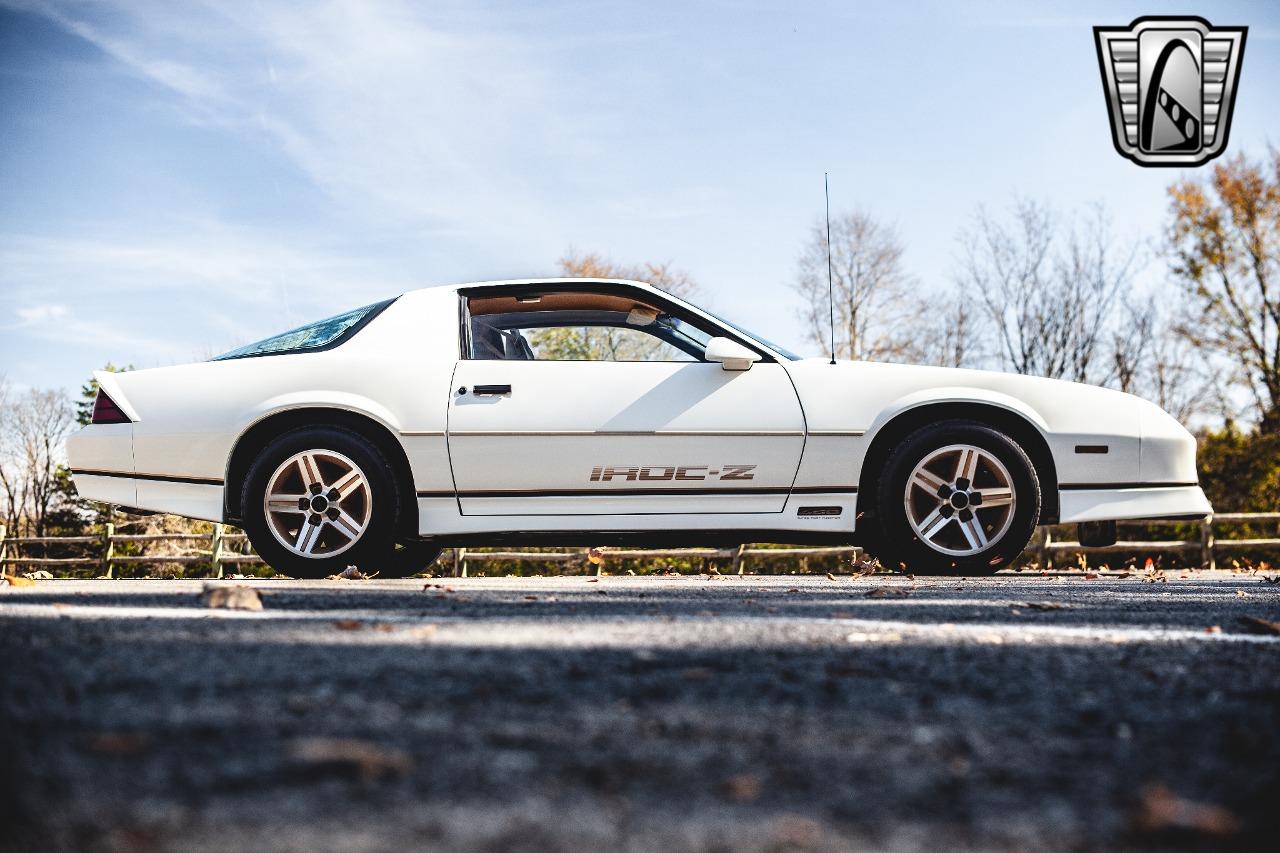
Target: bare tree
{"points": [[873, 302], [33, 426], [1150, 359], [1224, 246], [1046, 291], [663, 276], [1132, 343], [598, 343], [948, 333]]}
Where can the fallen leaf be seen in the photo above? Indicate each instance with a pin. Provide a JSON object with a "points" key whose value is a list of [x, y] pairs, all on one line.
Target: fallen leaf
{"points": [[1161, 809], [350, 573], [119, 743], [1045, 605], [384, 627], [743, 788], [348, 624], [1213, 629], [595, 556], [1091, 576], [1240, 593], [39, 575], [363, 760], [830, 576], [231, 597], [795, 832], [593, 580], [1261, 626], [17, 580], [887, 592], [696, 673]]}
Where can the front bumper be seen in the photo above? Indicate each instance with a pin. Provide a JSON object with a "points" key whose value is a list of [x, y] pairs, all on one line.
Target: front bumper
{"points": [[1152, 501]]}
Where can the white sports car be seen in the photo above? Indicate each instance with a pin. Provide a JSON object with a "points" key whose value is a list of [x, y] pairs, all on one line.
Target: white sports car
{"points": [[610, 412]]}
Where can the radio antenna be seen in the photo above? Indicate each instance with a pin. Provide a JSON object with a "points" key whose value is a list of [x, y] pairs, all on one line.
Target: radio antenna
{"points": [[831, 291]]}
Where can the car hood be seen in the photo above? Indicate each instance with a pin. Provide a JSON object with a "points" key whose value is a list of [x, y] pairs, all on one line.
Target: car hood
{"points": [[860, 395]]}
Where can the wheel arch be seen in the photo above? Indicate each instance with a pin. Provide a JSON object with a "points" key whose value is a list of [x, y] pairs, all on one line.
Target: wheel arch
{"points": [[257, 436], [1015, 424]]}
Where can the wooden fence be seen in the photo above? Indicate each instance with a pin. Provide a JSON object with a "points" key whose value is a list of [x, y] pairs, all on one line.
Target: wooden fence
{"points": [[1045, 550]]}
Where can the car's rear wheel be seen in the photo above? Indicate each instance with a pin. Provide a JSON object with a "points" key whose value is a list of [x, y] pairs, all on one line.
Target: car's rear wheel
{"points": [[958, 497], [319, 499]]}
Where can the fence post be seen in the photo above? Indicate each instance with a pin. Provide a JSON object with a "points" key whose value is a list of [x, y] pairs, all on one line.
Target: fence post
{"points": [[215, 549], [1046, 560], [1207, 560], [459, 562], [108, 547], [3, 547], [739, 561]]}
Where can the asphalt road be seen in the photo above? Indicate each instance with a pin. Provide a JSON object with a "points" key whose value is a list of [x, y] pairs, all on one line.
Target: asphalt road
{"points": [[641, 713]]}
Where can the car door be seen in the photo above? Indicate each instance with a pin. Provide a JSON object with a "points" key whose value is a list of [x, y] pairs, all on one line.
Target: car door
{"points": [[591, 437]]}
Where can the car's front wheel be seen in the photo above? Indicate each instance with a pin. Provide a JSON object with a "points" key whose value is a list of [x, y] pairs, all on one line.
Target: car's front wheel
{"points": [[957, 497], [319, 499]]}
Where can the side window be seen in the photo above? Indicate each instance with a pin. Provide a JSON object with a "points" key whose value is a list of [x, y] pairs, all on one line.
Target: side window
{"points": [[579, 326]]}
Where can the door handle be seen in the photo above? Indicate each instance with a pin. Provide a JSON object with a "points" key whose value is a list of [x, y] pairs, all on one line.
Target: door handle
{"points": [[491, 390]]}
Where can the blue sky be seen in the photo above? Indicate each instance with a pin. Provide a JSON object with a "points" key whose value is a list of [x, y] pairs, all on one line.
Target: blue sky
{"points": [[180, 178]]}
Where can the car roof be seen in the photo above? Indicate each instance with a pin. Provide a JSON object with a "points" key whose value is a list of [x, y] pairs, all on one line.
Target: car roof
{"points": [[541, 281]]}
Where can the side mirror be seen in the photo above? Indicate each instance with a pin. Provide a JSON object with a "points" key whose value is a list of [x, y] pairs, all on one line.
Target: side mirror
{"points": [[731, 354]]}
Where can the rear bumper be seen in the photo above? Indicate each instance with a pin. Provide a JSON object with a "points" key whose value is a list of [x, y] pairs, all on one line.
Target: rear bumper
{"points": [[180, 496], [1132, 501]]}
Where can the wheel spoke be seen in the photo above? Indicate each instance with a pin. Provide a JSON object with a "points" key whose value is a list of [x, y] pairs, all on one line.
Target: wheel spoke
{"points": [[346, 525], [933, 524], [310, 469], [927, 480], [967, 465], [285, 502], [973, 532], [995, 497], [308, 536], [348, 483]]}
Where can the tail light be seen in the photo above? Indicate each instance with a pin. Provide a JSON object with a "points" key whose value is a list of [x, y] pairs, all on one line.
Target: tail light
{"points": [[105, 410]]}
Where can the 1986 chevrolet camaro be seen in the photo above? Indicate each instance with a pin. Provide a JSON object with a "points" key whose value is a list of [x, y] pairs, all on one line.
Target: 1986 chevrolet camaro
{"points": [[609, 412]]}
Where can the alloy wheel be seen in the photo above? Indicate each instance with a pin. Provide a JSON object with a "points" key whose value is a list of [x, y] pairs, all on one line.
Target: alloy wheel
{"points": [[318, 503], [960, 500]]}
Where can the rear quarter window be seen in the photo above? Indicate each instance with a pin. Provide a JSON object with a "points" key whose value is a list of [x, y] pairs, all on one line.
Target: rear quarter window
{"points": [[320, 335]]}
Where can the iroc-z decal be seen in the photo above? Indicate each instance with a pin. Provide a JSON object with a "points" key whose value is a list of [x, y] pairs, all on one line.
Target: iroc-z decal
{"points": [[662, 473]]}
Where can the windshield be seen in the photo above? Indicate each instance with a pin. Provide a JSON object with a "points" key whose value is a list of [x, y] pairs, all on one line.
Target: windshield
{"points": [[319, 335], [785, 353]]}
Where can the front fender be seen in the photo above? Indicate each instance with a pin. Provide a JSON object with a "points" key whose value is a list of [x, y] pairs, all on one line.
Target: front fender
{"points": [[954, 394]]}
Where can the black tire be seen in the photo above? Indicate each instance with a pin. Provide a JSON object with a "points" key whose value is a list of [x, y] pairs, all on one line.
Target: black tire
{"points": [[375, 543], [409, 559], [896, 541]]}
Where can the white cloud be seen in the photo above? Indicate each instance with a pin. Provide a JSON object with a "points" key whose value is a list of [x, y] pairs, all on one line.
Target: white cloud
{"points": [[31, 314], [419, 127]]}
